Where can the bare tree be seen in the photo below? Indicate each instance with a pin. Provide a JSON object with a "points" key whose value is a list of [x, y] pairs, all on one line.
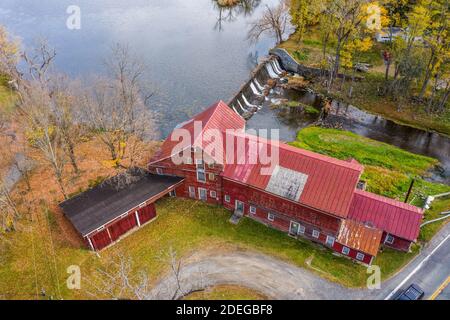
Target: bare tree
{"points": [[274, 21], [126, 178], [37, 111], [119, 280], [66, 116], [117, 108], [41, 131]]}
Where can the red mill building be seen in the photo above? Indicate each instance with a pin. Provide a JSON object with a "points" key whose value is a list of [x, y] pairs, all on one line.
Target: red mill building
{"points": [[305, 194]]}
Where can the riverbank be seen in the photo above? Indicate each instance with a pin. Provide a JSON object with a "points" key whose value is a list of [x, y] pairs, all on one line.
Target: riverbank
{"points": [[365, 94]]}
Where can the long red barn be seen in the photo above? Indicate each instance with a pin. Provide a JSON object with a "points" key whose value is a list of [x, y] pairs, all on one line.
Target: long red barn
{"points": [[304, 194]]}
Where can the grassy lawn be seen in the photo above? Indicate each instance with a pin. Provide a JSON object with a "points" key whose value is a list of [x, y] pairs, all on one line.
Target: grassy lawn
{"points": [[225, 292], [365, 93], [38, 256], [388, 169]]}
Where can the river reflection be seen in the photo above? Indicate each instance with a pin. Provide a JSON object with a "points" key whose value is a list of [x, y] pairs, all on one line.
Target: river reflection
{"points": [[189, 60], [230, 10]]}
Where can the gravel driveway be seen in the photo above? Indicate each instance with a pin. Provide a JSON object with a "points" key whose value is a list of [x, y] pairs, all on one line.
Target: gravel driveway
{"points": [[277, 279]]}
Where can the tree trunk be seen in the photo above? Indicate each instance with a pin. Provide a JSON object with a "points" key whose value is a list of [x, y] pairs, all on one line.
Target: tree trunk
{"points": [[430, 68], [71, 153]]}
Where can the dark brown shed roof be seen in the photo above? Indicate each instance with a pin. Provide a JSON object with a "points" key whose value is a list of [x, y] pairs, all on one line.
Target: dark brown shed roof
{"points": [[96, 207]]}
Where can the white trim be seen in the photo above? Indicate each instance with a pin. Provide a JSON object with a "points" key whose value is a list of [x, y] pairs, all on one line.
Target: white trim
{"points": [[252, 209], [270, 215], [361, 256], [301, 229], [159, 171], [213, 175], [90, 243], [346, 249], [316, 234], [213, 194], [204, 173], [332, 242], [137, 218], [227, 198], [240, 202], [199, 194], [109, 234], [387, 237], [298, 228]]}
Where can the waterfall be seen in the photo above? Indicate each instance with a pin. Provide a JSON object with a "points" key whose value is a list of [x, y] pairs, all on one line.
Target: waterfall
{"points": [[242, 108], [271, 72], [260, 87], [255, 91], [275, 67], [248, 103], [277, 63]]}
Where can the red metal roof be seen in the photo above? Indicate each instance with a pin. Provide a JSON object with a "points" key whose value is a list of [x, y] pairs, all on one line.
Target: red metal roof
{"points": [[330, 184], [357, 236], [217, 118], [394, 217]]}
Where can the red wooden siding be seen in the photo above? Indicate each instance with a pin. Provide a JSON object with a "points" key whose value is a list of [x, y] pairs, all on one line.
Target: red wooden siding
{"points": [[147, 213], [352, 254], [101, 240], [399, 243], [287, 210], [122, 226]]}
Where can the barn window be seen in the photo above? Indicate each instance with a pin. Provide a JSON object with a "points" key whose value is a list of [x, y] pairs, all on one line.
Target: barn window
{"points": [[252, 210], [192, 192], [330, 241], [360, 256], [345, 250], [172, 193], [200, 164], [212, 176], [301, 229], [316, 234], [202, 194], [227, 198], [211, 165], [201, 176], [294, 228], [188, 160], [389, 239], [270, 217], [213, 194], [159, 171]]}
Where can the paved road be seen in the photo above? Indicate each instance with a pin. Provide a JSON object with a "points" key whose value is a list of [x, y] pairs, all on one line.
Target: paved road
{"points": [[280, 280], [445, 294]]}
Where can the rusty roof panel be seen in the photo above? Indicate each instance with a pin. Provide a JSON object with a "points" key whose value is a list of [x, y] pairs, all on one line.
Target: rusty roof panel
{"points": [[357, 236]]}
